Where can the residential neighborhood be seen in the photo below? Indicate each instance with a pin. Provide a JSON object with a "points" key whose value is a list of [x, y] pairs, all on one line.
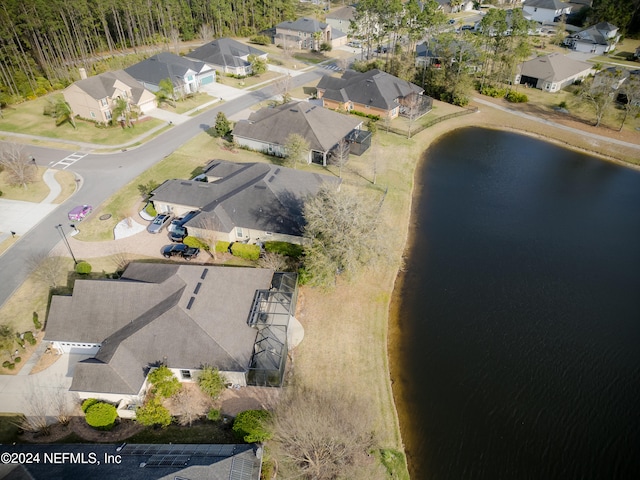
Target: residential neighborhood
{"points": [[211, 219]]}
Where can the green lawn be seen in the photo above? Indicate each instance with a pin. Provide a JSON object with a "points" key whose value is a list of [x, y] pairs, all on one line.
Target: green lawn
{"points": [[28, 118], [248, 81], [33, 192], [189, 103]]}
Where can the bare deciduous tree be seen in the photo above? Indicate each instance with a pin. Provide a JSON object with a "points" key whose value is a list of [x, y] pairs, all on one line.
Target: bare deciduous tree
{"points": [[49, 269], [206, 32], [274, 261], [187, 406], [599, 91], [631, 90], [343, 234], [282, 86], [20, 168], [121, 260], [340, 155], [323, 435], [411, 104]]}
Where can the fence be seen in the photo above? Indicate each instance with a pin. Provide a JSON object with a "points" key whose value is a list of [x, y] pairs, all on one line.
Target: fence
{"points": [[431, 123]]}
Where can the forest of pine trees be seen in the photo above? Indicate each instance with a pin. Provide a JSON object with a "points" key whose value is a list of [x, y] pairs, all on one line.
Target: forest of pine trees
{"points": [[43, 42]]}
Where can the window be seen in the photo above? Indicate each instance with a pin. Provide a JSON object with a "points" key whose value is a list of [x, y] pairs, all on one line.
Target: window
{"points": [[107, 114], [190, 78], [92, 113], [103, 102], [238, 232], [185, 374]]}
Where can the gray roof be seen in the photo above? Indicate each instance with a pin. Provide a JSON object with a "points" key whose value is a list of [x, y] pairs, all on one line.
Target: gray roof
{"points": [[225, 52], [308, 25], [548, 4], [164, 65], [374, 88], [344, 13], [251, 195], [554, 67], [193, 461], [595, 34], [321, 127], [151, 315], [103, 85]]}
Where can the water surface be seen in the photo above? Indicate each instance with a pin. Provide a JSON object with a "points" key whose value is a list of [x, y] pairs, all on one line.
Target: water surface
{"points": [[517, 354]]}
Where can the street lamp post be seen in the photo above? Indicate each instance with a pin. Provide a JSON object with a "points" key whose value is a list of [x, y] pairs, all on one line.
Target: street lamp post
{"points": [[66, 242]]}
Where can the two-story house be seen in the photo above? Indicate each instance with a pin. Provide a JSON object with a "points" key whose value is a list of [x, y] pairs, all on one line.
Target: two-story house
{"points": [[93, 98], [600, 38], [308, 34], [545, 11]]}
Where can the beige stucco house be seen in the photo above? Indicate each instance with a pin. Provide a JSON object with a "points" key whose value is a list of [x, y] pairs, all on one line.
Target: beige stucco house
{"points": [[93, 98]]}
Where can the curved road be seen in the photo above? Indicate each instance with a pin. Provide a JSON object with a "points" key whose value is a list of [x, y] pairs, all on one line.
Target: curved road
{"points": [[104, 174]]}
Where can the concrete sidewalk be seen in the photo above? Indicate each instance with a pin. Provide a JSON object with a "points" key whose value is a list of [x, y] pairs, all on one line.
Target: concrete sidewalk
{"points": [[19, 216]]}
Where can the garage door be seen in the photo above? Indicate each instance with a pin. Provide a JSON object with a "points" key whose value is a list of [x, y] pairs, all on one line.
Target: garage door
{"points": [[206, 80]]}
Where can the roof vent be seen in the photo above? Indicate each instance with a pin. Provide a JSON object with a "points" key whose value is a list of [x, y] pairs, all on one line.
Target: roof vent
{"points": [[188, 184]]}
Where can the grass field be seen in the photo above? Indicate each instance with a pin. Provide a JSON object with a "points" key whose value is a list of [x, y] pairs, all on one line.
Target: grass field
{"points": [[28, 118], [189, 103], [38, 190]]}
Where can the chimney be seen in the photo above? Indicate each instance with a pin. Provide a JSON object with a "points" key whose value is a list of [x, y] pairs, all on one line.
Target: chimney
{"points": [[83, 73]]}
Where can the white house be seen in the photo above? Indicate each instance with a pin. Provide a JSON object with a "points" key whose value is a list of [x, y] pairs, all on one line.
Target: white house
{"points": [[545, 11], [600, 38]]}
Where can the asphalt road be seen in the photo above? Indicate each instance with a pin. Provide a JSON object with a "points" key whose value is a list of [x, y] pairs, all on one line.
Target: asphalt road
{"points": [[104, 174]]}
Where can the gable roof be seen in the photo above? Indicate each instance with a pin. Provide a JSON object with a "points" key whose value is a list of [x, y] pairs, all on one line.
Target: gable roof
{"points": [[374, 88], [104, 85], [554, 67], [164, 65], [226, 52], [308, 25], [252, 195], [547, 4], [321, 127], [181, 315], [344, 13], [595, 34]]}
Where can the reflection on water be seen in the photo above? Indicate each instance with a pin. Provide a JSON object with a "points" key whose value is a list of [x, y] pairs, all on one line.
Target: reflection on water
{"points": [[516, 353]]}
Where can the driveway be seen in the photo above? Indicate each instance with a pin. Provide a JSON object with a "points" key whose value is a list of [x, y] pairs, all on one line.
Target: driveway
{"points": [[26, 393]]}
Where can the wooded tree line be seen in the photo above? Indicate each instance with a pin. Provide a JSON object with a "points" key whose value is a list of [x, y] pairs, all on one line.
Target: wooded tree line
{"points": [[42, 42]]}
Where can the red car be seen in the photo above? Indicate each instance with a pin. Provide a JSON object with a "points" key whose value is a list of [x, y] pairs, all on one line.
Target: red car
{"points": [[79, 212]]}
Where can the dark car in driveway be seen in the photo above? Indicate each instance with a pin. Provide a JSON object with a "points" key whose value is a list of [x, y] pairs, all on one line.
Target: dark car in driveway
{"points": [[158, 223], [180, 250], [179, 222], [177, 234]]}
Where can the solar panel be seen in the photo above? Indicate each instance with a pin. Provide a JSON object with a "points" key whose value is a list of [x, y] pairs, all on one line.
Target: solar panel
{"points": [[241, 469]]}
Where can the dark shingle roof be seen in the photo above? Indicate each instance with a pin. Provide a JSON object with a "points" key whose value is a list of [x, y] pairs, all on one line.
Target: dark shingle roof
{"points": [[164, 65], [308, 25], [374, 88], [595, 34], [253, 195], [344, 13], [225, 52], [322, 128], [146, 317], [553, 67], [138, 462]]}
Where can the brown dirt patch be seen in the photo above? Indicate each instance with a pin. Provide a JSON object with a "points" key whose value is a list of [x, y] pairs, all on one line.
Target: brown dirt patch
{"points": [[233, 401], [48, 358], [121, 431]]}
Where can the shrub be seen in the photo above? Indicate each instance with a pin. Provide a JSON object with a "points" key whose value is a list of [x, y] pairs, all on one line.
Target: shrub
{"points": [[284, 248], [365, 115], [11, 366], [494, 92], [88, 403], [325, 47], [222, 246], [195, 242], [153, 413], [150, 209], [249, 426], [6, 364], [562, 104], [145, 189], [17, 360], [20, 342], [36, 322], [101, 416], [248, 252], [164, 382], [83, 268], [28, 336], [213, 415], [260, 40], [516, 97], [211, 382]]}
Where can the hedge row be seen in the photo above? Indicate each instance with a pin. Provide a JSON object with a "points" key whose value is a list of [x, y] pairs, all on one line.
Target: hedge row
{"points": [[284, 248]]}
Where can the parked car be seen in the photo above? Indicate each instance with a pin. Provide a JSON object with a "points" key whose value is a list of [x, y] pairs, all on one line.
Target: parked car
{"points": [[466, 27], [180, 249], [78, 213], [177, 234], [159, 222], [178, 222]]}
